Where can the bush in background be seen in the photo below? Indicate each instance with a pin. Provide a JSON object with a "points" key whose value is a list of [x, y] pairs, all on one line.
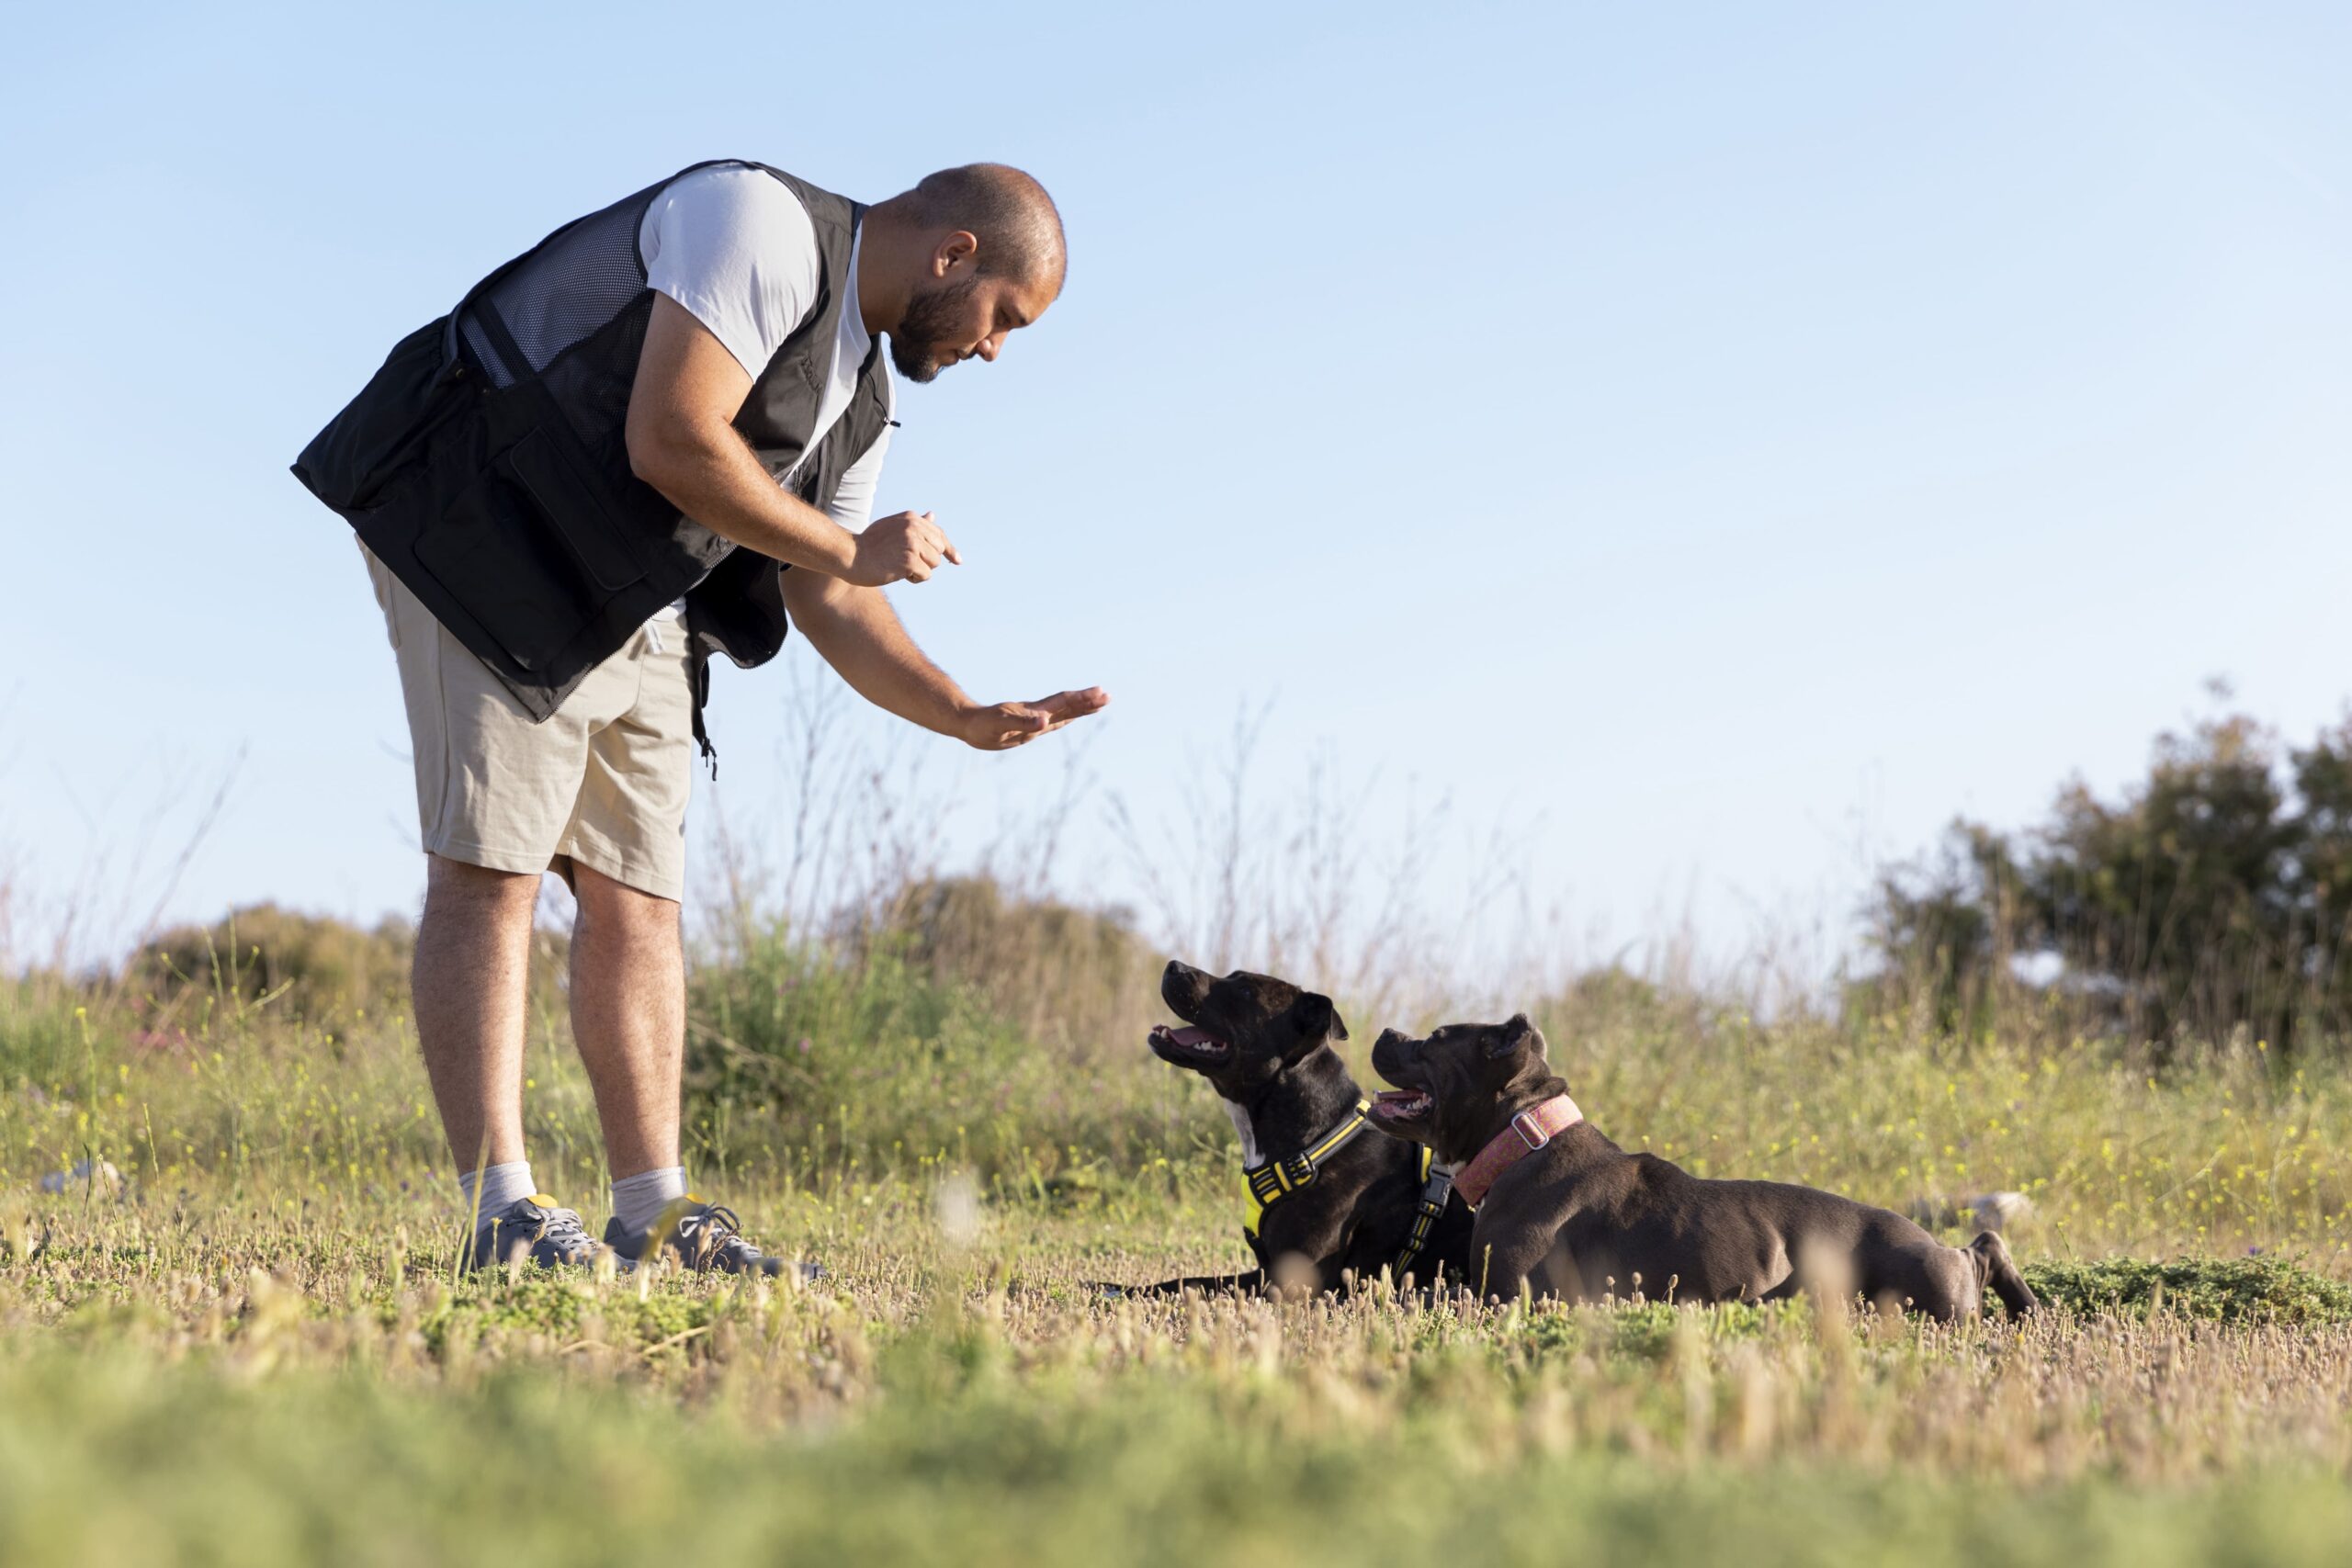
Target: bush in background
{"points": [[1082, 981], [879, 1056], [312, 967]]}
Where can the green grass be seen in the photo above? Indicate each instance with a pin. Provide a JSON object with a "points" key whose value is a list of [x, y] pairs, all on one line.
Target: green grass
{"points": [[178, 1392], [528, 1468], [257, 1350]]}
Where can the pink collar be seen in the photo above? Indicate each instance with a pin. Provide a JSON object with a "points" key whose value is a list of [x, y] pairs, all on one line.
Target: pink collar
{"points": [[1529, 1131]]}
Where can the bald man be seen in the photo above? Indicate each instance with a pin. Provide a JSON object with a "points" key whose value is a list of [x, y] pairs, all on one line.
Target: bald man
{"points": [[652, 438]]}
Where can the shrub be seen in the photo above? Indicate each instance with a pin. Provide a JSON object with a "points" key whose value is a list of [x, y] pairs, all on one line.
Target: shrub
{"points": [[2222, 1289], [871, 1062], [1079, 980], [313, 966]]}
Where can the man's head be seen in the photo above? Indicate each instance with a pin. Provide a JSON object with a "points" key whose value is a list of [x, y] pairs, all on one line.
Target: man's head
{"points": [[969, 255]]}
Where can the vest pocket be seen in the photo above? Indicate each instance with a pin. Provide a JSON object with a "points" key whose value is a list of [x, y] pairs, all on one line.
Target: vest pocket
{"points": [[575, 510], [529, 550], [374, 442]]}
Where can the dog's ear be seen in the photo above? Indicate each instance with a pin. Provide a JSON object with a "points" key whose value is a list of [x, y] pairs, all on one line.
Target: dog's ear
{"points": [[1516, 1034], [1317, 1019]]}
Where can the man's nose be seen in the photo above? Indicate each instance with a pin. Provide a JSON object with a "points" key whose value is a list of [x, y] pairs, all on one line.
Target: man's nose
{"points": [[990, 347]]}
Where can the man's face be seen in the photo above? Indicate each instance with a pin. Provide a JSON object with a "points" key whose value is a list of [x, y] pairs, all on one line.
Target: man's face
{"points": [[961, 316]]}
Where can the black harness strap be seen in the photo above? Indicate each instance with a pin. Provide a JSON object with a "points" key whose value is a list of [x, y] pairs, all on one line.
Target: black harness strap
{"points": [[1437, 1185]]}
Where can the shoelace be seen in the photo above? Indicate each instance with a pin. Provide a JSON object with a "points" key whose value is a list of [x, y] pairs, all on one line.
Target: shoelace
{"points": [[711, 1230], [566, 1230]]}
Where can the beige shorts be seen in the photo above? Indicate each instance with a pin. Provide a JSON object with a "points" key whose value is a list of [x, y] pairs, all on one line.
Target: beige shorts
{"points": [[602, 781]]}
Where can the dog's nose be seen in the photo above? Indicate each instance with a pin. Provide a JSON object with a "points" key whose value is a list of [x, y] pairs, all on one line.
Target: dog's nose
{"points": [[1179, 970]]}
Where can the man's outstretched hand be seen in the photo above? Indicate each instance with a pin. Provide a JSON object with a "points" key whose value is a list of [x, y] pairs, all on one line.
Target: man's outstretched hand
{"points": [[1003, 725]]}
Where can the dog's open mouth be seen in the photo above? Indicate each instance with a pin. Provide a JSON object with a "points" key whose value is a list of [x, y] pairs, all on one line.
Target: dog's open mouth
{"points": [[1403, 1105], [1189, 1044]]}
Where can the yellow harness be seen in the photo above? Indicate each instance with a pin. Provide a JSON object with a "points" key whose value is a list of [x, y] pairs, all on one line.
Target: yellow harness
{"points": [[1270, 1181]]}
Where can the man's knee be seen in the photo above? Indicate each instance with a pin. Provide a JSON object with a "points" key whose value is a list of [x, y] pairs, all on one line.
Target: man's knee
{"points": [[609, 902], [452, 886]]}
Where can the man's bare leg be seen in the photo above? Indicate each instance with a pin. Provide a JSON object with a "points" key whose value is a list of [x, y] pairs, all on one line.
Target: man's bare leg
{"points": [[473, 982], [472, 968], [628, 1017]]}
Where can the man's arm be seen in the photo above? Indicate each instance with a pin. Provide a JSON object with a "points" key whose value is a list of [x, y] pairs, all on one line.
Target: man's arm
{"points": [[857, 632], [683, 442]]}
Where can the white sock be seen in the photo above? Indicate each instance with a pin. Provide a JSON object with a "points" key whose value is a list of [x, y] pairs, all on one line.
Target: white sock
{"points": [[638, 1201], [500, 1185]]}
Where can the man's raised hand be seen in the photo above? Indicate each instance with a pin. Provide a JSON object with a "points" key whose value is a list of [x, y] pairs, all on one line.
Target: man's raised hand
{"points": [[906, 546], [1002, 726]]}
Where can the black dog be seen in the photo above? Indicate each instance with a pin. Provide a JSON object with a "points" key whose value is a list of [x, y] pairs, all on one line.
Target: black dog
{"points": [[1562, 1211], [1321, 1191]]}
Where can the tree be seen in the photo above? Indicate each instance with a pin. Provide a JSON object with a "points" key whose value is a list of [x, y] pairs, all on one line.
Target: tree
{"points": [[2214, 896]]}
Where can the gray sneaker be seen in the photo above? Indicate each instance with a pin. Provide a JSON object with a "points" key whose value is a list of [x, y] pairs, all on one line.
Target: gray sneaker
{"points": [[705, 1237], [537, 1231]]}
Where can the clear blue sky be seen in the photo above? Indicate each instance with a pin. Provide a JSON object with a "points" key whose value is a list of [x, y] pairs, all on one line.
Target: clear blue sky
{"points": [[1731, 434]]}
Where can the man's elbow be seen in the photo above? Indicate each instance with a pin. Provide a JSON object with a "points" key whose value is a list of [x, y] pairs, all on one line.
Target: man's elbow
{"points": [[651, 461], [662, 455]]}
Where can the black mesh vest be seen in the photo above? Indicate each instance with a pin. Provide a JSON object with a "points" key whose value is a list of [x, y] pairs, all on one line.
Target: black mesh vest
{"points": [[486, 463]]}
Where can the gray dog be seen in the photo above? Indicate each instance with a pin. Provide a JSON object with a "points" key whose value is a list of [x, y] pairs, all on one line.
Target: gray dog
{"points": [[1563, 1211]]}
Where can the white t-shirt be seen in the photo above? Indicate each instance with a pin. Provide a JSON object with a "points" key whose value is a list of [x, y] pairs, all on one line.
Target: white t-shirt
{"points": [[736, 248]]}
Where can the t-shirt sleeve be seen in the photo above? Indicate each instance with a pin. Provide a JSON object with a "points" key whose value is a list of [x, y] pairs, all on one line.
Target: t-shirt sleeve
{"points": [[853, 502], [735, 247]]}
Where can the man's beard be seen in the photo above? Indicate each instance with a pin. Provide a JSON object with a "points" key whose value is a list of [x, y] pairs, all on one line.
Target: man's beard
{"points": [[915, 342]]}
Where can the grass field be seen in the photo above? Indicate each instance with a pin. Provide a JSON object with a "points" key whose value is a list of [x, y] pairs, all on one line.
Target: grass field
{"points": [[255, 1349]]}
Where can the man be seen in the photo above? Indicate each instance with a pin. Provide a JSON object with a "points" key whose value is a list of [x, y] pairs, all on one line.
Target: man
{"points": [[652, 437]]}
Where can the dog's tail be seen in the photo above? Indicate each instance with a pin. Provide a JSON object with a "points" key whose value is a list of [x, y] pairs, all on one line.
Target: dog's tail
{"points": [[1998, 1272]]}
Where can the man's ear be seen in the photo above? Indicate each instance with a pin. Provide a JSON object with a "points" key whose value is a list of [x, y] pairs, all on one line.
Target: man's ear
{"points": [[953, 252], [1518, 1033], [1317, 1019]]}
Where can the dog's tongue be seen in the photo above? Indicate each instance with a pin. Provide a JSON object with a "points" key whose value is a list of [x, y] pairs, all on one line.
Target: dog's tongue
{"points": [[1189, 1036], [1398, 1097]]}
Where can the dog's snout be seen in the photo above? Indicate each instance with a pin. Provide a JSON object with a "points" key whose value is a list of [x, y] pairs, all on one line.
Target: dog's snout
{"points": [[1181, 986]]}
